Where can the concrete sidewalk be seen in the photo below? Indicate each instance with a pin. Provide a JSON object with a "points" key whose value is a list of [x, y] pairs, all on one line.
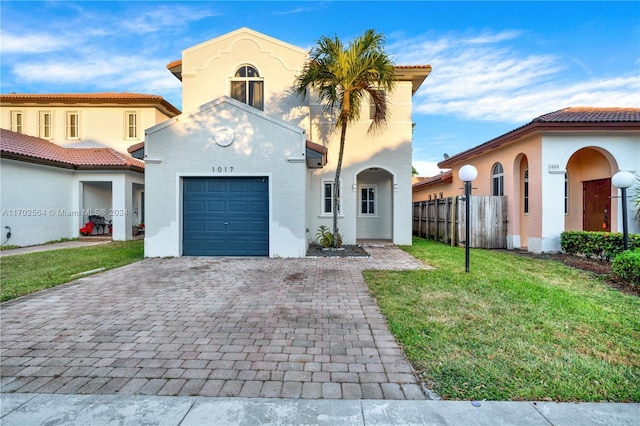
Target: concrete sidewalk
{"points": [[46, 409], [53, 246]]}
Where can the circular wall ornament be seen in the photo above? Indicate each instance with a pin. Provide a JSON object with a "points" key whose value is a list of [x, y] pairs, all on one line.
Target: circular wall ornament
{"points": [[224, 136]]}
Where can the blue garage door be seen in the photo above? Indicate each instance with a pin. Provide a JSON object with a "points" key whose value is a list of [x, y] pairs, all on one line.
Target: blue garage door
{"points": [[226, 216]]}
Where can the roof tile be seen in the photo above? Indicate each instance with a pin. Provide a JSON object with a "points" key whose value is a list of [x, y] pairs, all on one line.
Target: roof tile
{"points": [[41, 149]]}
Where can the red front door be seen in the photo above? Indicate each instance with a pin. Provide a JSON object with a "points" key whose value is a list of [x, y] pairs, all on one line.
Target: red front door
{"points": [[597, 205]]}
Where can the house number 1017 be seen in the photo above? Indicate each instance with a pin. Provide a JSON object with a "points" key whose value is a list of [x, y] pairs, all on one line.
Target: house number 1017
{"points": [[222, 169]]}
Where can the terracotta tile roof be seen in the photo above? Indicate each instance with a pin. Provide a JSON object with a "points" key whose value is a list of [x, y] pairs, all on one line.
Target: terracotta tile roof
{"points": [[29, 148], [91, 98], [444, 177], [566, 119], [320, 149], [590, 115]]}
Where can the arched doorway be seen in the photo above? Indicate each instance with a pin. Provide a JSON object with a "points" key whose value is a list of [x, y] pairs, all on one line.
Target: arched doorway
{"points": [[374, 209], [588, 193]]}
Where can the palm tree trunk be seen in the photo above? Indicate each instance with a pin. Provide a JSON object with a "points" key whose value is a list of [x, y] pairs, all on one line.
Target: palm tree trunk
{"points": [[336, 192]]}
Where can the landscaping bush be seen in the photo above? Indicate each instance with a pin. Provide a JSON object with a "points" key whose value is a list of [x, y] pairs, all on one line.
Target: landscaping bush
{"points": [[600, 245], [626, 266]]}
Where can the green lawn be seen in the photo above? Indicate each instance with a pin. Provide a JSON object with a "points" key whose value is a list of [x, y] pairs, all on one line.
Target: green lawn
{"points": [[26, 273], [514, 328]]}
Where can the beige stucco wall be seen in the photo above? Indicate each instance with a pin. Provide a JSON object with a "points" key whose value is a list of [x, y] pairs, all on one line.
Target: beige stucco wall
{"points": [[99, 126], [390, 151], [207, 69]]}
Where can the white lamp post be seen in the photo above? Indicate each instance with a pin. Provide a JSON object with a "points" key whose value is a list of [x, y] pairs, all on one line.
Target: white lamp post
{"points": [[624, 180], [467, 174]]}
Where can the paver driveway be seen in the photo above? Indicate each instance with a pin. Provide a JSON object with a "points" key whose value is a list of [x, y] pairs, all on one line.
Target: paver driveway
{"points": [[252, 327]]}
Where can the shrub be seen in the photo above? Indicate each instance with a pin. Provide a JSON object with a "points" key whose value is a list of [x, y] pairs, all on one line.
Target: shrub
{"points": [[601, 245], [626, 266], [324, 237]]}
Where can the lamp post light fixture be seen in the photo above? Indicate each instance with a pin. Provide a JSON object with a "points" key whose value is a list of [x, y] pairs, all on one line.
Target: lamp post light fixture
{"points": [[467, 174], [624, 180]]}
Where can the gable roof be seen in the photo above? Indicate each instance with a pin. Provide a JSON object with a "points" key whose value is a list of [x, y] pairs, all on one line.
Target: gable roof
{"points": [[416, 74], [443, 177], [17, 146], [92, 99], [566, 119]]}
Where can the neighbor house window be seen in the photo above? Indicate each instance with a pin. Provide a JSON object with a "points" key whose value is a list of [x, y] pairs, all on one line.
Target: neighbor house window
{"points": [[372, 105], [368, 200], [73, 129], [248, 87], [45, 125], [328, 188], [526, 191], [566, 193], [497, 177], [17, 121], [131, 125]]}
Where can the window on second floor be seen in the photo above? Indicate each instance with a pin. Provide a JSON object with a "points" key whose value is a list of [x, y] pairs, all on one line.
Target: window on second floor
{"points": [[372, 105], [17, 121], [497, 179], [130, 125], [73, 125], [45, 125], [248, 87]]}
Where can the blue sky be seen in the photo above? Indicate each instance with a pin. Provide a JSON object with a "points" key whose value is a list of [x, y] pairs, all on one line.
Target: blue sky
{"points": [[496, 65]]}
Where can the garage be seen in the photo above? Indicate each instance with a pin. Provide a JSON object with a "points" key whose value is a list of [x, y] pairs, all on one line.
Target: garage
{"points": [[225, 216]]}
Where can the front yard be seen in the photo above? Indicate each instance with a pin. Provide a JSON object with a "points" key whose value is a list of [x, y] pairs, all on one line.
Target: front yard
{"points": [[514, 328], [26, 273]]}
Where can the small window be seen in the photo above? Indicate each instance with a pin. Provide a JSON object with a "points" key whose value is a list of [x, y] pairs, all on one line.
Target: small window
{"points": [[566, 193], [368, 200], [248, 87], [328, 187], [17, 121], [131, 125], [526, 191], [372, 104], [497, 177], [45, 129], [73, 125]]}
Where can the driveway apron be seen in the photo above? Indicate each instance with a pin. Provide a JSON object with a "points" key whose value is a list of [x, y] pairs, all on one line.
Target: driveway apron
{"points": [[248, 327]]}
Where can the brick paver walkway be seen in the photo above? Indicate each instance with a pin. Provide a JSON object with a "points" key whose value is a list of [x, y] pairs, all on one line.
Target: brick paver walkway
{"points": [[250, 327]]}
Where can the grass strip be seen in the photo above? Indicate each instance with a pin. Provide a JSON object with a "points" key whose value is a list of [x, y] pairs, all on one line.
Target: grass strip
{"points": [[514, 328], [26, 273]]}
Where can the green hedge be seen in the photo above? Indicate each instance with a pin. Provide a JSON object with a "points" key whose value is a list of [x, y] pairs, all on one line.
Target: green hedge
{"points": [[601, 245], [627, 266]]}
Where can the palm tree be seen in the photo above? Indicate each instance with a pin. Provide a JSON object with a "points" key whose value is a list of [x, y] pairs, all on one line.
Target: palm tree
{"points": [[343, 76]]}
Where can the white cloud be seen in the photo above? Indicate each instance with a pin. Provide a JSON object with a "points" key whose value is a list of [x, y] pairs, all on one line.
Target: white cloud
{"points": [[118, 73], [32, 43], [427, 168], [162, 18], [485, 77]]}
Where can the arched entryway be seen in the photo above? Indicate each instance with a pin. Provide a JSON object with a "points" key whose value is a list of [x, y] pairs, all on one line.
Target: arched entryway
{"points": [[374, 209], [521, 176], [588, 191]]}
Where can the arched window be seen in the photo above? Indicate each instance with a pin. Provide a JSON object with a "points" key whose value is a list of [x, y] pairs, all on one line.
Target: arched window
{"points": [[497, 177], [248, 87]]}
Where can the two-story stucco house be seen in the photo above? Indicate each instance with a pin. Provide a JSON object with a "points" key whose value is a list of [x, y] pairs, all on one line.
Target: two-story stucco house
{"points": [[555, 172], [64, 158], [248, 168]]}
